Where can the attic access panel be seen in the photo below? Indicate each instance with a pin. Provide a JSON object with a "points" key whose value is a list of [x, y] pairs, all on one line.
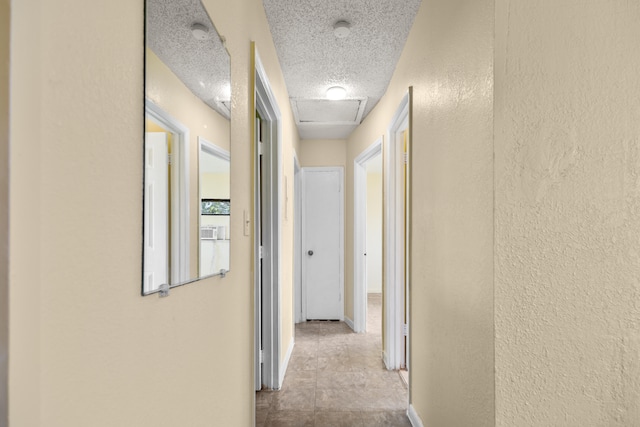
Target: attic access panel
{"points": [[324, 111]]}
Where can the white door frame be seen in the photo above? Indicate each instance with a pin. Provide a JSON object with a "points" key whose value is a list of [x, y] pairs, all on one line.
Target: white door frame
{"points": [[360, 234], [209, 147], [267, 107], [393, 251], [340, 170], [180, 212], [297, 236]]}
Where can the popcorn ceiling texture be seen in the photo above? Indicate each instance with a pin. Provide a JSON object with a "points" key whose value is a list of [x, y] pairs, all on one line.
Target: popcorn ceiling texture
{"points": [[193, 61], [314, 59], [567, 281]]}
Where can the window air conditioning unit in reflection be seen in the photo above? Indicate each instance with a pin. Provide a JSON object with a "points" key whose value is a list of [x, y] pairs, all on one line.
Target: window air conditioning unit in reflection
{"points": [[208, 232]]}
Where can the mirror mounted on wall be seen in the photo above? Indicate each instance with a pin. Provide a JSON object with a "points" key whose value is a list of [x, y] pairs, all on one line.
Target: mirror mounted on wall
{"points": [[186, 146]]}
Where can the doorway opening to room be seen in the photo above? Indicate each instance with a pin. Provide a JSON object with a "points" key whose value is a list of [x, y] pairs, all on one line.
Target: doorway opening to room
{"points": [[368, 223], [373, 245]]}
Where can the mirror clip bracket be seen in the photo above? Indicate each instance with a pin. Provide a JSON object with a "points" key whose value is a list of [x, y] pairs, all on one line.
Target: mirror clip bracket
{"points": [[164, 290], [223, 273]]}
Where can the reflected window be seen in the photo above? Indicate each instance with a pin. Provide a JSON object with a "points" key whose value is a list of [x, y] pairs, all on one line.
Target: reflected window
{"points": [[216, 207]]}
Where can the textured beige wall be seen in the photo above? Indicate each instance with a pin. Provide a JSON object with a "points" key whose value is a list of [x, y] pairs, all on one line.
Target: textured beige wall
{"points": [[26, 142], [567, 142], [5, 25], [448, 59], [86, 348], [323, 152]]}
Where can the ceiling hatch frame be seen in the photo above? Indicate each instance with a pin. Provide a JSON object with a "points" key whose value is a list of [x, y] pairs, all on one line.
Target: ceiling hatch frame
{"points": [[358, 117]]}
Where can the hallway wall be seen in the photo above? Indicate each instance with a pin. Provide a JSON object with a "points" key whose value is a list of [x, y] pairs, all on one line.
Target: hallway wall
{"points": [[567, 144], [448, 59], [5, 26], [86, 349], [565, 260], [323, 152]]}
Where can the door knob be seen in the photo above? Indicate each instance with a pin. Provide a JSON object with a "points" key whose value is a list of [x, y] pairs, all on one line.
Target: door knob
{"points": [[310, 253]]}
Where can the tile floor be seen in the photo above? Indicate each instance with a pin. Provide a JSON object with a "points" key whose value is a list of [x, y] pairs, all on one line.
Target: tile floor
{"points": [[336, 378]]}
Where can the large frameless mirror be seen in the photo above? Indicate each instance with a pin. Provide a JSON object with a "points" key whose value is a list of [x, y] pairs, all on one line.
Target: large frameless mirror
{"points": [[186, 146]]}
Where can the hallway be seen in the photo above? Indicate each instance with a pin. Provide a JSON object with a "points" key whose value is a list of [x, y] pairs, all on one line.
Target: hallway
{"points": [[336, 378]]}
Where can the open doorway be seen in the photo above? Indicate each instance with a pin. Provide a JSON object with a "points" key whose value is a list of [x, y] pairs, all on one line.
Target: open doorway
{"points": [[373, 245], [367, 232]]}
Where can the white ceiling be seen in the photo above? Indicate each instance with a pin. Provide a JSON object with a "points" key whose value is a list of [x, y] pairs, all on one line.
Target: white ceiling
{"points": [[313, 58], [202, 65]]}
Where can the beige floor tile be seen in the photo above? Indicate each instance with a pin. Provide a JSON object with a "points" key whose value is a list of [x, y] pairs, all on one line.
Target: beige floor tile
{"points": [[369, 364], [332, 349], [305, 348], [384, 379], [340, 399], [339, 419], [291, 419], [300, 379], [264, 399], [335, 364], [303, 362], [298, 399], [261, 415], [336, 378], [384, 399], [386, 419], [331, 379]]}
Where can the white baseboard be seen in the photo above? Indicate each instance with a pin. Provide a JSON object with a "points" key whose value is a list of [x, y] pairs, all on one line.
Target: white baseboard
{"points": [[285, 364], [413, 417], [349, 323]]}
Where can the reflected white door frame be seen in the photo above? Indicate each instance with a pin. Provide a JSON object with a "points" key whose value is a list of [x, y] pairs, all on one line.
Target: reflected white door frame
{"points": [[297, 248], [267, 229], [180, 212], [207, 147], [360, 235]]}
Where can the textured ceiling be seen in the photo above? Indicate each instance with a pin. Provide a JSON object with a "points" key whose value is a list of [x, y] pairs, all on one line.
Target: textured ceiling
{"points": [[313, 58], [202, 65]]}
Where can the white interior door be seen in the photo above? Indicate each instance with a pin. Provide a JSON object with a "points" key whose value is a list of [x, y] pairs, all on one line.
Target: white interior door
{"points": [[156, 211], [323, 243]]}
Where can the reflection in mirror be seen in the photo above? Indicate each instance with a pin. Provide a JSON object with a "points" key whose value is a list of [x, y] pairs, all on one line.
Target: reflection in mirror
{"points": [[214, 209], [187, 100]]}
